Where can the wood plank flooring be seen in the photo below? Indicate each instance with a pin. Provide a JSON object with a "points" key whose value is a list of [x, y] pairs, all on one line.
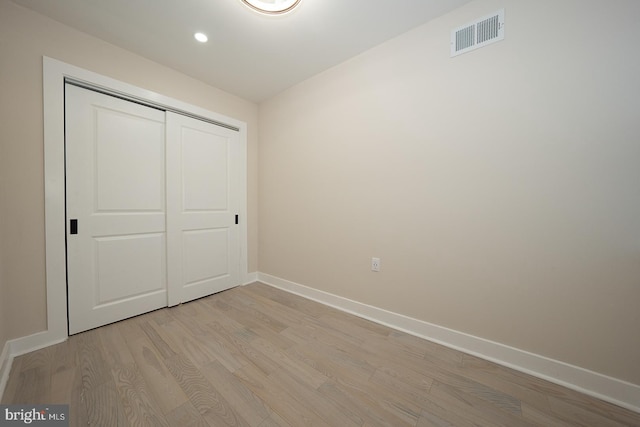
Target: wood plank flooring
{"points": [[257, 356]]}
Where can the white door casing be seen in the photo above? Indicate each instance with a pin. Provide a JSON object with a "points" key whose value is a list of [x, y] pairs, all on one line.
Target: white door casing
{"points": [[202, 203]]}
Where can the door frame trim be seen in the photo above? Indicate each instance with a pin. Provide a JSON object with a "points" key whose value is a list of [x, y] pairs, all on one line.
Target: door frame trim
{"points": [[54, 74]]}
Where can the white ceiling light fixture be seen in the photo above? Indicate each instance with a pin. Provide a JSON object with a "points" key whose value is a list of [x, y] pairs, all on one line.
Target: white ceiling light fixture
{"points": [[201, 37], [272, 7]]}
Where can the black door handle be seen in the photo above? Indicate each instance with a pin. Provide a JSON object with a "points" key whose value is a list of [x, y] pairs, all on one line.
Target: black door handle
{"points": [[73, 226]]}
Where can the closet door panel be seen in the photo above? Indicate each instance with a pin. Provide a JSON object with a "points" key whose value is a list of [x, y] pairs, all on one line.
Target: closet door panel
{"points": [[116, 215], [202, 167]]}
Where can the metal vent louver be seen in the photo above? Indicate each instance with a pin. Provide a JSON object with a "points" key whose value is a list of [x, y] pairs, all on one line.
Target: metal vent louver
{"points": [[482, 32]]}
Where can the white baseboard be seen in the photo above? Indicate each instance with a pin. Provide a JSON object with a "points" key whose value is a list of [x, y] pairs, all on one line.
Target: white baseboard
{"points": [[20, 346], [34, 342], [613, 390], [5, 367]]}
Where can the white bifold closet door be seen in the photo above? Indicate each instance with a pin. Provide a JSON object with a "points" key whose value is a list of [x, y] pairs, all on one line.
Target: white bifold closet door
{"points": [[151, 208]]}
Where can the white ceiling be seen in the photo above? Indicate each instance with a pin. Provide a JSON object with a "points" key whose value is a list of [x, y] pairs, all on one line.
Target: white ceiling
{"points": [[250, 55]]}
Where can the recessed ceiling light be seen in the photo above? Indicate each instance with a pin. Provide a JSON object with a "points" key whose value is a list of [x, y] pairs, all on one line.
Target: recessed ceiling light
{"points": [[272, 7], [201, 37]]}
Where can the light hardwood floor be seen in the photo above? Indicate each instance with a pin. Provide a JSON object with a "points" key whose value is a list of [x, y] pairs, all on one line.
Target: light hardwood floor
{"points": [[258, 356]]}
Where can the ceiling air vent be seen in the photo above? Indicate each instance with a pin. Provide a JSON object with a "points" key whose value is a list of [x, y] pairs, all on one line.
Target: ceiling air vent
{"points": [[482, 32]]}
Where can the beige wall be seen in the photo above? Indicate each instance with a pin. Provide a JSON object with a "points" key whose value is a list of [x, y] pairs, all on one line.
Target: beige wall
{"points": [[501, 188], [3, 301], [24, 38], [3, 157]]}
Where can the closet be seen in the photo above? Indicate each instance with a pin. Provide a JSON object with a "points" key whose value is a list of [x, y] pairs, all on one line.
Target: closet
{"points": [[152, 202]]}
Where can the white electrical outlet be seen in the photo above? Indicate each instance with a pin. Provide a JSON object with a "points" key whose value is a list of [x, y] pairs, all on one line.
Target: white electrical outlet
{"points": [[375, 264]]}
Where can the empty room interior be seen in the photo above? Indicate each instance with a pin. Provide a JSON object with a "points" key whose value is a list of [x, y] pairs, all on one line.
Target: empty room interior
{"points": [[361, 213]]}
